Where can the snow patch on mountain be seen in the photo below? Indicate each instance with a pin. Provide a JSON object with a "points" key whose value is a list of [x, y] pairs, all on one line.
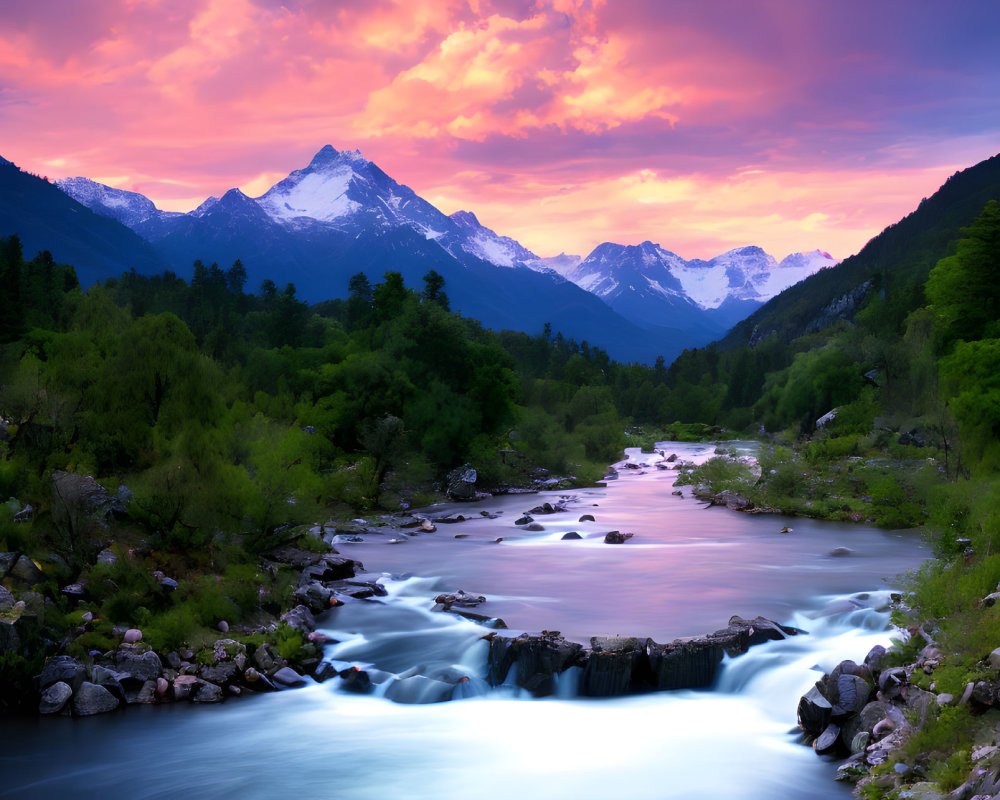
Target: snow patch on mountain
{"points": [[744, 273], [562, 263], [129, 208], [319, 194], [485, 243]]}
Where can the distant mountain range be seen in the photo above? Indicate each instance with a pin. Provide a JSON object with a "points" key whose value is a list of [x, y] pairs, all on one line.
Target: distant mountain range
{"points": [[341, 215]]}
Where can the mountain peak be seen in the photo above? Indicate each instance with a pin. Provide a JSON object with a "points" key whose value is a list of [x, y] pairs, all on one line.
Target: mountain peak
{"points": [[465, 218], [234, 196], [328, 156], [5, 161]]}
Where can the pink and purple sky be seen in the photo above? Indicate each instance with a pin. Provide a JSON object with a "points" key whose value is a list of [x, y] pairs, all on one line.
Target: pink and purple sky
{"points": [[701, 125]]}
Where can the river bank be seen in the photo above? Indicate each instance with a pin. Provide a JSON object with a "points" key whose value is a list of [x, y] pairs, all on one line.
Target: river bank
{"points": [[684, 564]]}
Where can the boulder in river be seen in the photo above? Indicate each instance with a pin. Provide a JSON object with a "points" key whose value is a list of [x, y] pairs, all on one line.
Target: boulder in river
{"points": [[617, 537], [462, 483], [460, 598], [54, 698], [625, 664], [92, 699]]}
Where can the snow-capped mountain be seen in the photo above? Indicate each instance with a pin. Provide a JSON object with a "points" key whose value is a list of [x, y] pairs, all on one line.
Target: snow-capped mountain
{"points": [[129, 208], [639, 281], [651, 283], [341, 214]]}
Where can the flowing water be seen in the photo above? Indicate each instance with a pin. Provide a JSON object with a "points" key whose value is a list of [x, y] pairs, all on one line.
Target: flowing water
{"points": [[685, 572]]}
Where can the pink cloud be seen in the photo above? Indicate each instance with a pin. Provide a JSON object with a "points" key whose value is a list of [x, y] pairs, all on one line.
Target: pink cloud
{"points": [[564, 122]]}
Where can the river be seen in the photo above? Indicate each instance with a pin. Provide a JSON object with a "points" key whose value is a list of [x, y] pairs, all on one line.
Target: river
{"points": [[685, 572]]}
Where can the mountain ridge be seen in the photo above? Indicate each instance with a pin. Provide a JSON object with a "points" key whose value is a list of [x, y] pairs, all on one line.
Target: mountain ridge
{"points": [[341, 214]]}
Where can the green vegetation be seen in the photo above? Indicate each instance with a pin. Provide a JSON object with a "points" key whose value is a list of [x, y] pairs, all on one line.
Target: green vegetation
{"points": [[911, 374], [230, 419]]}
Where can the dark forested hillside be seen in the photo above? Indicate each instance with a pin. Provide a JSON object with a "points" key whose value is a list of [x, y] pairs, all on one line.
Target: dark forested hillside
{"points": [[896, 263], [45, 218]]}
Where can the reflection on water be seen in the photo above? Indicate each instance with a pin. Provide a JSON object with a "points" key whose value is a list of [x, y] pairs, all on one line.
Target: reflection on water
{"points": [[685, 572]]}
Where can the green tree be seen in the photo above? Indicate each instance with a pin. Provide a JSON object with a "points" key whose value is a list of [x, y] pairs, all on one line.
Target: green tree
{"points": [[964, 289], [434, 289], [11, 308], [360, 299]]}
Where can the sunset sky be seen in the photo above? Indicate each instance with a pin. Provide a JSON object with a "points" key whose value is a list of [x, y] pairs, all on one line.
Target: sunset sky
{"points": [[701, 125]]}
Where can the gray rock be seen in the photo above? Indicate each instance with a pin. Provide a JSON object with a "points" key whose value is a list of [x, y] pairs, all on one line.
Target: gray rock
{"points": [[141, 667], [267, 660], [132, 635], [6, 562], [6, 598], [324, 672], [852, 693], [356, 680], [300, 559], [220, 674], [460, 599], [875, 658], [54, 698], [205, 692], [109, 679], [26, 571], [316, 596], [92, 699], [616, 537], [107, 557], [571, 535], [827, 740], [587, 518], [147, 694], [814, 712], [287, 676], [65, 669], [860, 742], [462, 483], [841, 551], [300, 618]]}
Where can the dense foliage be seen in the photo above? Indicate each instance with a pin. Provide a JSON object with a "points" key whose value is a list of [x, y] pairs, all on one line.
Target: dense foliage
{"points": [[217, 407]]}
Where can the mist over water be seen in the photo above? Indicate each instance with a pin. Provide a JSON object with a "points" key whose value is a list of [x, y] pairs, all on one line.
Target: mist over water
{"points": [[685, 572]]}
